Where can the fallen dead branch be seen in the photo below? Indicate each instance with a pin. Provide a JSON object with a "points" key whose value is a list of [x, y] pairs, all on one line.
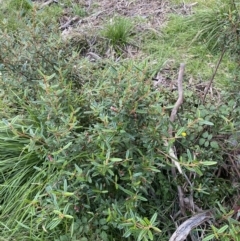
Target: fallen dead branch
{"points": [[178, 103], [48, 3], [213, 76], [69, 22], [94, 56], [185, 228], [180, 96], [184, 202]]}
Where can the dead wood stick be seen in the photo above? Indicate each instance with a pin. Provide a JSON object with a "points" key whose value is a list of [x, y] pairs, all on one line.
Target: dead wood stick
{"points": [[94, 56], [183, 201], [185, 228], [48, 3], [89, 5], [213, 76], [69, 22], [173, 116], [180, 97]]}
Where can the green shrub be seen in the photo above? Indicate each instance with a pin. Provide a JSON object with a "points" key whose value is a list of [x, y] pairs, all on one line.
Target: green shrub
{"points": [[94, 158], [99, 169], [82, 145], [229, 228]]}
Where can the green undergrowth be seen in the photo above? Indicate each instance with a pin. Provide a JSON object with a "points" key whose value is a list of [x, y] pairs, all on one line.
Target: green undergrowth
{"points": [[83, 152]]}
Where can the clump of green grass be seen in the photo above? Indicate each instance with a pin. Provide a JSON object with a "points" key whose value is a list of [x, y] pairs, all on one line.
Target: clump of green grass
{"points": [[23, 5], [118, 31], [218, 26], [50, 14], [175, 45], [218, 29], [196, 40]]}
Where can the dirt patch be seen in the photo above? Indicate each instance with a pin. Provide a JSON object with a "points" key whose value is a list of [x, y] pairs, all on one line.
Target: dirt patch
{"points": [[148, 16], [152, 13]]}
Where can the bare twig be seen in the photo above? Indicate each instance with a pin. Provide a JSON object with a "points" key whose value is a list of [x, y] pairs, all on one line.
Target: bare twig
{"points": [[173, 116], [181, 200], [89, 5], [69, 22], [234, 165], [94, 56], [48, 3], [213, 76], [180, 97], [185, 228], [191, 4], [174, 158]]}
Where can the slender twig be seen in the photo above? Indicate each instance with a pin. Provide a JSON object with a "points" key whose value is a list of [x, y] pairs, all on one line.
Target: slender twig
{"points": [[213, 76], [173, 116], [89, 5], [180, 97], [48, 3], [69, 22]]}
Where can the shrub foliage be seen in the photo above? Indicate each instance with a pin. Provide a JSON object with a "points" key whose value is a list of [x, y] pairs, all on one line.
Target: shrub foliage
{"points": [[82, 153]]}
